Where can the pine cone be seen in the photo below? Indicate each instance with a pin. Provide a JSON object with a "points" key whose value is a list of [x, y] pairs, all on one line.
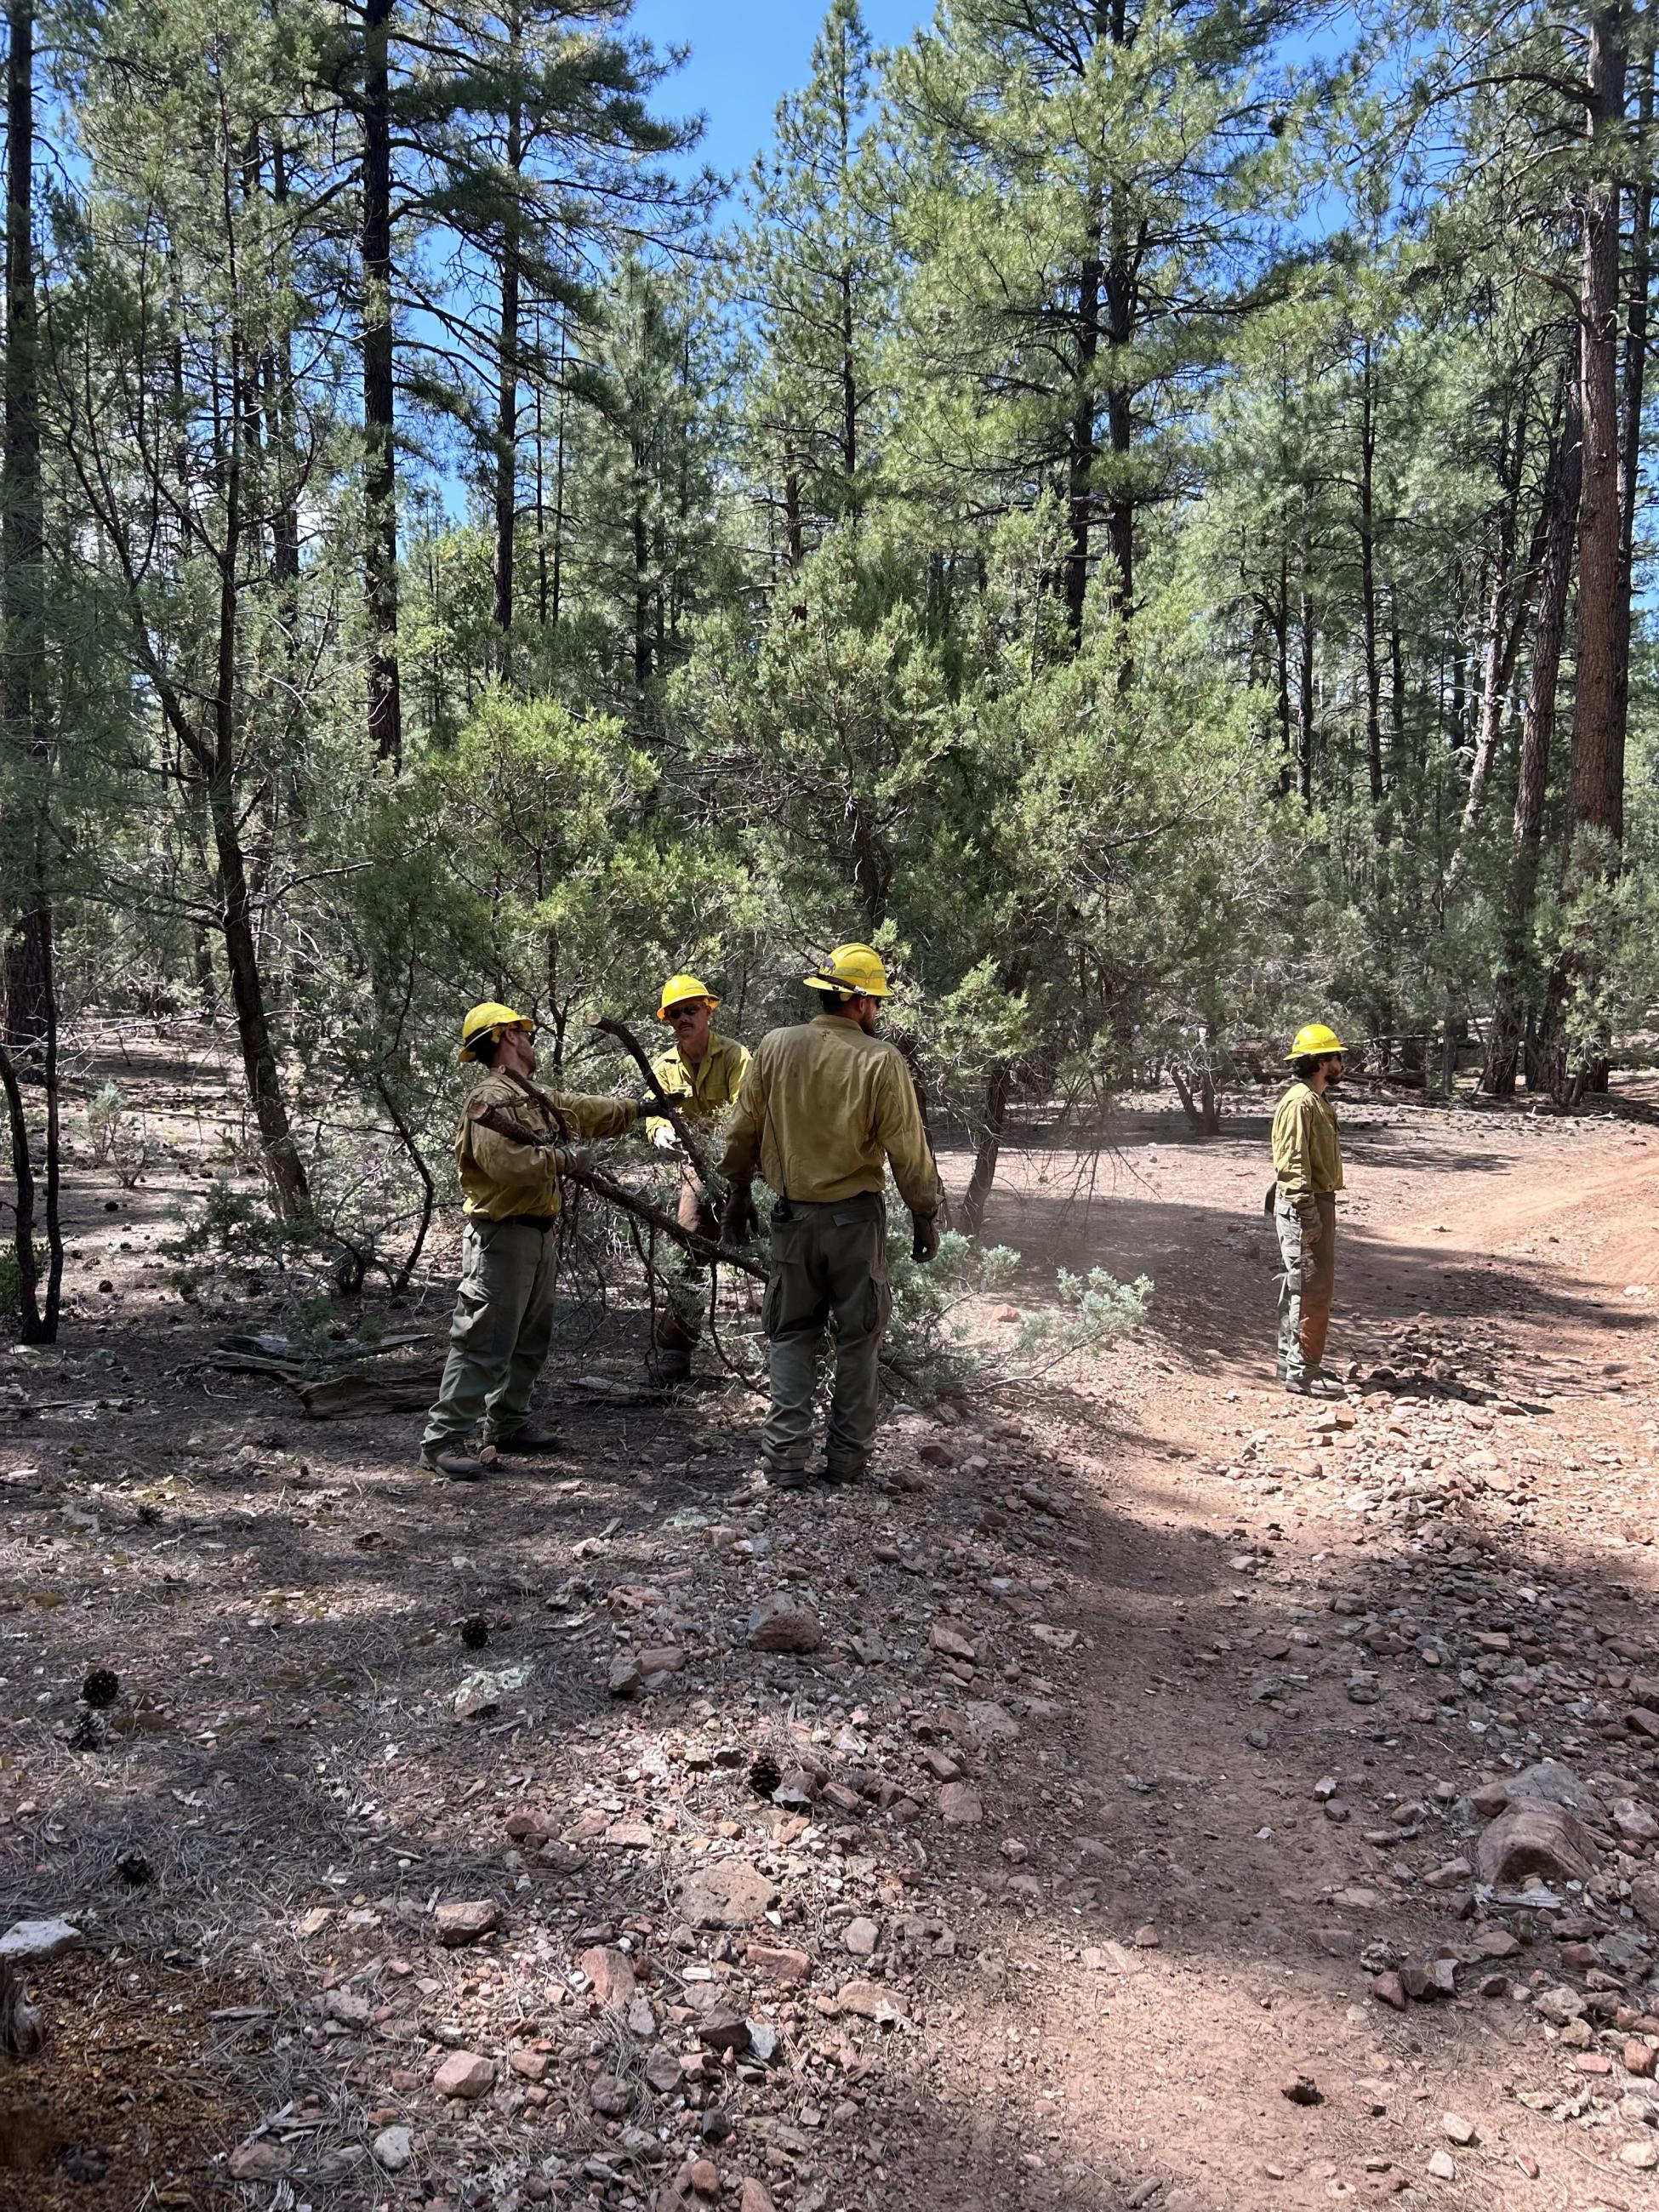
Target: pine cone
{"points": [[89, 1733], [133, 1868], [765, 1775], [475, 1632], [100, 1689]]}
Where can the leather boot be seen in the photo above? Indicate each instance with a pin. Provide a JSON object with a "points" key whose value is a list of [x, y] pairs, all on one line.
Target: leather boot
{"points": [[529, 1442], [453, 1463]]}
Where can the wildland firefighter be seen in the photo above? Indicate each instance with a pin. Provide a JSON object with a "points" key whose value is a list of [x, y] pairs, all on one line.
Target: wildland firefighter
{"points": [[701, 1072], [824, 1109], [1307, 1175], [513, 1145]]}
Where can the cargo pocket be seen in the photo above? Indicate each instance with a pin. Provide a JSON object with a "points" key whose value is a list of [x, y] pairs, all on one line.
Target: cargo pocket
{"points": [[881, 1279]]}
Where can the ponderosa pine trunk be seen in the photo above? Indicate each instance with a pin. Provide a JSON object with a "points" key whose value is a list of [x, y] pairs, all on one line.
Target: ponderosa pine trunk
{"points": [[506, 398], [1511, 1007], [31, 980], [28, 959], [1368, 576], [380, 401], [1595, 775]]}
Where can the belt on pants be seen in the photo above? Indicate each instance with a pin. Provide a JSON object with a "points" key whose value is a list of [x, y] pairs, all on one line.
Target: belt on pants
{"points": [[869, 1201], [539, 1222]]}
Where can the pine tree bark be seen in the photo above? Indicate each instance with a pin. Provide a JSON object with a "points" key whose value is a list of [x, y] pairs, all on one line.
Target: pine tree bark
{"points": [[1304, 693], [31, 982], [506, 401], [28, 964], [1368, 576], [1511, 999], [1594, 807], [1080, 455], [379, 404]]}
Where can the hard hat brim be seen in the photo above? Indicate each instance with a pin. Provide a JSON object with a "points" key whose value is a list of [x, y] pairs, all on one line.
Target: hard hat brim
{"points": [[692, 998], [842, 989]]}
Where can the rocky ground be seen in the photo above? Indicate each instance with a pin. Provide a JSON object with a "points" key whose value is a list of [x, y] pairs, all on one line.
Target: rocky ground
{"points": [[1150, 1791]]}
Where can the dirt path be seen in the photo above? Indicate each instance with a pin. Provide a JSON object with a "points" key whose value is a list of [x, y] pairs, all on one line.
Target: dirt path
{"points": [[1246, 1556], [1140, 1740]]}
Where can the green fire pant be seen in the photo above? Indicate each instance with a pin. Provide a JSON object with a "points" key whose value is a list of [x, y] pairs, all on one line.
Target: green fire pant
{"points": [[498, 1337], [679, 1318], [1307, 1283], [829, 1269]]}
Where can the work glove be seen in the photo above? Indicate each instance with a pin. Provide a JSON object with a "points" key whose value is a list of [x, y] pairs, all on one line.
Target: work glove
{"points": [[924, 1239], [741, 1221], [576, 1159], [665, 1140]]}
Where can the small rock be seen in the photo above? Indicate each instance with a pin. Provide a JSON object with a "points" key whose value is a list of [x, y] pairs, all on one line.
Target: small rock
{"points": [[662, 1659], [532, 2065], [626, 1675], [1442, 2167], [1560, 2005], [1458, 2130], [394, 2148], [28, 1942], [1300, 2089], [950, 1642], [464, 2074], [261, 2160], [464, 1921], [1535, 1837], [723, 2031], [727, 1894], [1639, 2057], [1147, 1937], [782, 1623], [705, 2176], [1634, 1822], [779, 1961], [662, 2071], [860, 1937], [610, 1974], [1643, 2155], [754, 2197], [1388, 1989], [869, 2001], [960, 1806], [483, 1692]]}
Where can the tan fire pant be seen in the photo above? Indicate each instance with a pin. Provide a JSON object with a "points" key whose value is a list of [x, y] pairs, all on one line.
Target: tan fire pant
{"points": [[1307, 1283]]}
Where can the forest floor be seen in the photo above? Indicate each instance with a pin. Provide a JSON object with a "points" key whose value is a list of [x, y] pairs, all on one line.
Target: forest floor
{"points": [[1132, 1785]]}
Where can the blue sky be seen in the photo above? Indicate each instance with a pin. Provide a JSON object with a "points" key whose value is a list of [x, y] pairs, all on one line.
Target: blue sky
{"points": [[745, 55]]}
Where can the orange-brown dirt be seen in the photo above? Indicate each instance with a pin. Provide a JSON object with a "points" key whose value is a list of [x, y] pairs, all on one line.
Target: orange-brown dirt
{"points": [[1142, 1617]]}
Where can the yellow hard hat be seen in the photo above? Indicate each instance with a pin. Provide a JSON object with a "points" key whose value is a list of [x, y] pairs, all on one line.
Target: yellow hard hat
{"points": [[678, 988], [850, 969], [488, 1020], [1313, 1041]]}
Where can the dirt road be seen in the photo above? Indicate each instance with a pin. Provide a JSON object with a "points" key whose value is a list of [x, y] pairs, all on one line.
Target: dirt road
{"points": [[1139, 1747]]}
